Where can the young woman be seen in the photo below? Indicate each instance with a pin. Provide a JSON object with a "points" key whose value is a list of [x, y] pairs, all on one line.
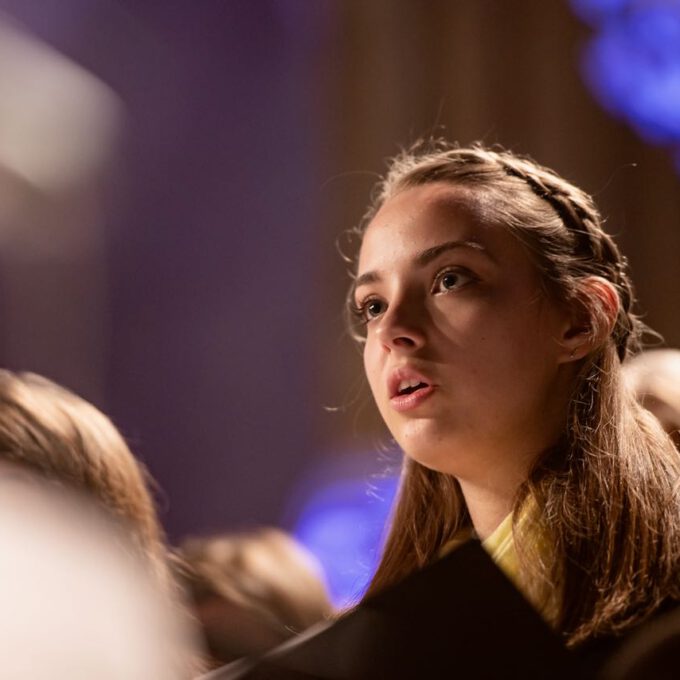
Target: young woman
{"points": [[495, 314]]}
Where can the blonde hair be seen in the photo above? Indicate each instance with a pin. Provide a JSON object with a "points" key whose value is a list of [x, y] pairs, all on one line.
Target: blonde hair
{"points": [[266, 573], [607, 492], [654, 377], [63, 438]]}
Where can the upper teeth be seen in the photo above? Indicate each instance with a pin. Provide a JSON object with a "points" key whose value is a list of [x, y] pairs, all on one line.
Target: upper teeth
{"points": [[405, 384]]}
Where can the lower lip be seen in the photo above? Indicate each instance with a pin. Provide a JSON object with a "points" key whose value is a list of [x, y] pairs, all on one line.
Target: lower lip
{"points": [[407, 402]]}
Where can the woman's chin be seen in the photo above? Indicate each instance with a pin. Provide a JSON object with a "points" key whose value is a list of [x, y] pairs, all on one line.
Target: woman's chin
{"points": [[437, 458]]}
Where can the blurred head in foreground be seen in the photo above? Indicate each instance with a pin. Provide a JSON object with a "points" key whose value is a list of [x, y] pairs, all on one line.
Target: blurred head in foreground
{"points": [[654, 376], [65, 439], [252, 591], [77, 601]]}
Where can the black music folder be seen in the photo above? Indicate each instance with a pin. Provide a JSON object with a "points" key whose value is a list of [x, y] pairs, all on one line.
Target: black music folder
{"points": [[459, 617]]}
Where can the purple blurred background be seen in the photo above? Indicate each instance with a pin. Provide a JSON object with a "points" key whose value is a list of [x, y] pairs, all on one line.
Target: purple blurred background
{"points": [[198, 297]]}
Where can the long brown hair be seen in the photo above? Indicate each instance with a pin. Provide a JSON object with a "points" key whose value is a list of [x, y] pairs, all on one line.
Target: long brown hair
{"points": [[607, 492]]}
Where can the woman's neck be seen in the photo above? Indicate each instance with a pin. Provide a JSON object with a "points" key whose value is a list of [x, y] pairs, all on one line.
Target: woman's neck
{"points": [[488, 506]]}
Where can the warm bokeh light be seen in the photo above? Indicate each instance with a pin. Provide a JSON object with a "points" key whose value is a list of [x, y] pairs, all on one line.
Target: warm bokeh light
{"points": [[57, 120]]}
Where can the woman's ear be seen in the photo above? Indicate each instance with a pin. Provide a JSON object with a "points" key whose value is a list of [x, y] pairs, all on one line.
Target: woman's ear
{"points": [[592, 317]]}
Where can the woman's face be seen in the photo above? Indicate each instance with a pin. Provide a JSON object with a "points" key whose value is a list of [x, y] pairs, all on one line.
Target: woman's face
{"points": [[463, 351]]}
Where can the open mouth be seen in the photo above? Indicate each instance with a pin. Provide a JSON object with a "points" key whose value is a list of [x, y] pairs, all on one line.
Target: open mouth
{"points": [[408, 389], [410, 386]]}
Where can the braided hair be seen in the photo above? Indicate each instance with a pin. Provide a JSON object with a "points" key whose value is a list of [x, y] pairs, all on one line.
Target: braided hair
{"points": [[568, 244], [607, 494]]}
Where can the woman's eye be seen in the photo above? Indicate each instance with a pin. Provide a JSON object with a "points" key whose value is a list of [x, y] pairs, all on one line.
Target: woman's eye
{"points": [[368, 309], [451, 280], [373, 308]]}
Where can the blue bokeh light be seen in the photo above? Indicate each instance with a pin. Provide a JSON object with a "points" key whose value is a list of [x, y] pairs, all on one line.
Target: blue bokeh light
{"points": [[632, 64], [342, 523], [595, 11]]}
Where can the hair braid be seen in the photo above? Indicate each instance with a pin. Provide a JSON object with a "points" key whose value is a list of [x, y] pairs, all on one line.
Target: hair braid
{"points": [[592, 252], [594, 249]]}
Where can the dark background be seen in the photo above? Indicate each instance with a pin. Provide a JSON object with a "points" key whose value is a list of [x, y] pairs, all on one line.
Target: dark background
{"points": [[200, 304]]}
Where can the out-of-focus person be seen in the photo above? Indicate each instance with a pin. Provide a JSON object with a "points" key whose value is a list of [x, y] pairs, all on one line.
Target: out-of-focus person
{"points": [[654, 376], [53, 435], [251, 591], [65, 439], [78, 601]]}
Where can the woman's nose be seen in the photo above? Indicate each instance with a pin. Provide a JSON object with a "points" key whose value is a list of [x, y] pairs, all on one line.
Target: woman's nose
{"points": [[402, 327]]}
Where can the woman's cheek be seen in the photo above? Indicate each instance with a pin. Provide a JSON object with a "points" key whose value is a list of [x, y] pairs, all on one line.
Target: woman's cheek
{"points": [[372, 357]]}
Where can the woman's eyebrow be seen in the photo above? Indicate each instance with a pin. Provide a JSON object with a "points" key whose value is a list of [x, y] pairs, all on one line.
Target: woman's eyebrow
{"points": [[424, 258], [368, 277]]}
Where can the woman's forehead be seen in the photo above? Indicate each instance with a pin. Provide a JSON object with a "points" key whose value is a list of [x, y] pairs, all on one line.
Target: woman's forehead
{"points": [[422, 217], [433, 196]]}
